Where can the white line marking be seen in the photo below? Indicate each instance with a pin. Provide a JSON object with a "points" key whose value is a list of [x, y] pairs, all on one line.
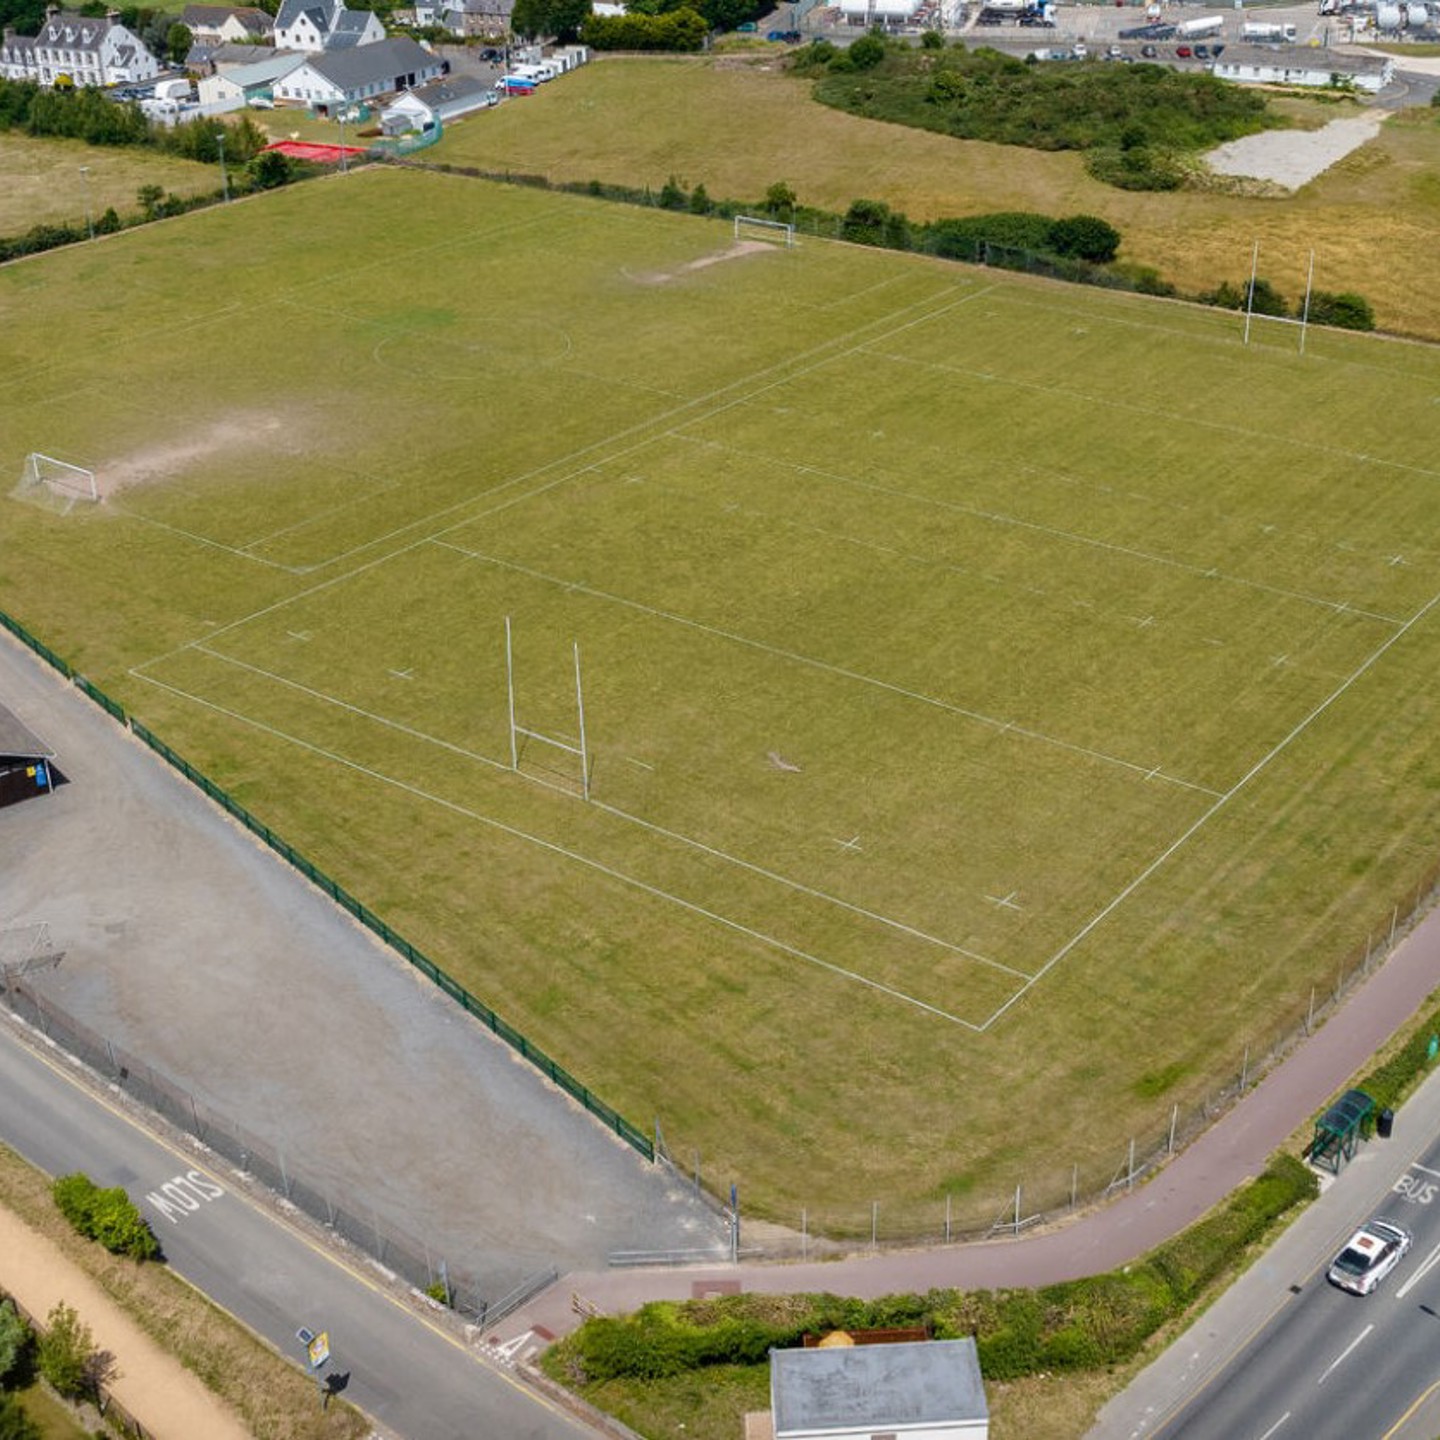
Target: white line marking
{"points": [[1185, 836], [1345, 1352], [979, 717], [1421, 1271], [852, 844], [1424, 1169], [617, 875], [1276, 1426], [1005, 902]]}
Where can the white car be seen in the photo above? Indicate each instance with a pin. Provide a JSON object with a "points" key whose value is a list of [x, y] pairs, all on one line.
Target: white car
{"points": [[1370, 1254]]}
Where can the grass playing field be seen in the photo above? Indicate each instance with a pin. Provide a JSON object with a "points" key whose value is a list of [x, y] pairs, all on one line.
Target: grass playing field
{"points": [[1003, 701], [738, 127]]}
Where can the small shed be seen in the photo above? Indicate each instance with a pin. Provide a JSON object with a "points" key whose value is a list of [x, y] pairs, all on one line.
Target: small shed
{"points": [[436, 104], [27, 766], [929, 1388], [1339, 1131]]}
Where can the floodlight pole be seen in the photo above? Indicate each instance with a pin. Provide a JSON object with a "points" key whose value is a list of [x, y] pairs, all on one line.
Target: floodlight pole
{"points": [[510, 691], [1250, 293], [1305, 312], [89, 212], [580, 709], [224, 174]]}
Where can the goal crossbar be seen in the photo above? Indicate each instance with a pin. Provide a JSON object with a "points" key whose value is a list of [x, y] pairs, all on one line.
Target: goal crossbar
{"points": [[778, 231], [43, 476]]}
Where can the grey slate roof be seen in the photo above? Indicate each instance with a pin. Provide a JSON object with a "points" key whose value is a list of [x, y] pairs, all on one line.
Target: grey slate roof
{"points": [[257, 22], [452, 90], [17, 739], [876, 1387], [386, 60], [1301, 57]]}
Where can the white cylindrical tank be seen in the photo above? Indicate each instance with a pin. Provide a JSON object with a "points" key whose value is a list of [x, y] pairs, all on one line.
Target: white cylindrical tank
{"points": [[1416, 16], [1387, 15]]}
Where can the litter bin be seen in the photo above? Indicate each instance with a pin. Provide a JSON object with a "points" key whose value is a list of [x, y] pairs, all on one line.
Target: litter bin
{"points": [[1385, 1124]]}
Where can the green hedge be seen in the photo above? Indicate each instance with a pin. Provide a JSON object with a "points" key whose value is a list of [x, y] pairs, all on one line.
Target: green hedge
{"points": [[1388, 1084], [1077, 1325], [106, 1216]]}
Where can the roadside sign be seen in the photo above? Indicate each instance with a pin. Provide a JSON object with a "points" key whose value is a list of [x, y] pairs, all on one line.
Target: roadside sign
{"points": [[318, 1349]]}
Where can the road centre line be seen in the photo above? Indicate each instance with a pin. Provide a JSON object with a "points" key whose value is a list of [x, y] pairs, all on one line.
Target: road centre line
{"points": [[1344, 1353], [622, 815], [619, 876], [1147, 772], [1276, 1426], [1420, 1272]]}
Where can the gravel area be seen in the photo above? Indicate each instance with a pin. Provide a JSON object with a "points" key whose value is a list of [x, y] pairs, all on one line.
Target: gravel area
{"points": [[1293, 158], [194, 947]]}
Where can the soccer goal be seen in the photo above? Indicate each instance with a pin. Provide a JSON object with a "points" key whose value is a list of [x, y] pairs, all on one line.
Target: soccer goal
{"points": [[55, 483], [754, 227]]}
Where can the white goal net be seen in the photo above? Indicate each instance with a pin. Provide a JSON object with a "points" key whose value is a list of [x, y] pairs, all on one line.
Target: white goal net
{"points": [[54, 483], [756, 227]]}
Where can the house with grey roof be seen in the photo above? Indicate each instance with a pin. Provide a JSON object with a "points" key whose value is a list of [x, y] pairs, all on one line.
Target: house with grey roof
{"points": [[929, 1388], [433, 106], [1306, 65], [315, 25], [238, 85], [227, 24], [337, 79], [466, 17], [77, 50]]}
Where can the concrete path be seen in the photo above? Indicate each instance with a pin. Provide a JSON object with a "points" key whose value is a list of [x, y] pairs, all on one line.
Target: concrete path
{"points": [[1231, 1151]]}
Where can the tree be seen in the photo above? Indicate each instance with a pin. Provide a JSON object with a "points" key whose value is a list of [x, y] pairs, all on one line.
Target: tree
{"points": [[867, 52], [15, 1338], [932, 40], [673, 195], [700, 203], [66, 1353], [178, 41], [780, 200], [1085, 237], [872, 222], [561, 19], [270, 169], [150, 198]]}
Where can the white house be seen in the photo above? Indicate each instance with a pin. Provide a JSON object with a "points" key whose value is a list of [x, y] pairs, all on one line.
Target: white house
{"points": [[226, 24], [339, 78], [919, 1388], [80, 49], [315, 25], [238, 85], [436, 104], [1306, 65]]}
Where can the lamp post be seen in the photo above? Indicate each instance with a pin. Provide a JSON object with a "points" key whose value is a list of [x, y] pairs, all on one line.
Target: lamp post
{"points": [[89, 212], [224, 174], [344, 158]]}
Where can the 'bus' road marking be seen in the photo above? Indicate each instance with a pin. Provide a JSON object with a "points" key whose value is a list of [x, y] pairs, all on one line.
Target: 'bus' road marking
{"points": [[183, 1195], [1415, 1191], [1424, 1268], [1275, 1426], [1346, 1351]]}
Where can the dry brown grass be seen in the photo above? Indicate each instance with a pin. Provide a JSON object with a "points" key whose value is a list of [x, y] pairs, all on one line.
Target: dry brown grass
{"points": [[738, 127], [41, 183], [275, 1400]]}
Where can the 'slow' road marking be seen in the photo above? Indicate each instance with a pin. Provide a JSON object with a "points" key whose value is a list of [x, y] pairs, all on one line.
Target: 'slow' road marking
{"points": [[1346, 1351], [1275, 1426], [1422, 1270], [184, 1194]]}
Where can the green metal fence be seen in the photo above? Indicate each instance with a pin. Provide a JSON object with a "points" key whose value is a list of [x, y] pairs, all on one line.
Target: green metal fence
{"points": [[606, 1114]]}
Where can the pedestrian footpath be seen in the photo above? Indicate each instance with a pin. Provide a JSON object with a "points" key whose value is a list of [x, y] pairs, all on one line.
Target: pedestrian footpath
{"points": [[1235, 1148]]}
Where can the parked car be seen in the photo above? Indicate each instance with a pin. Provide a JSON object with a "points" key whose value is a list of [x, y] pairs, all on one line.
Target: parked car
{"points": [[1149, 51], [1215, 51], [1370, 1254], [1182, 52], [1202, 52], [491, 56]]}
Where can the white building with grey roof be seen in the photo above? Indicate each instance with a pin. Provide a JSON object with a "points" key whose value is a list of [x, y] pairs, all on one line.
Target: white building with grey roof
{"points": [[78, 50]]}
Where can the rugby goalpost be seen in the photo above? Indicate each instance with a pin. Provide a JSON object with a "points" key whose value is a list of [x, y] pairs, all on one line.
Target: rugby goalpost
{"points": [[578, 749], [757, 227], [55, 483], [1251, 314]]}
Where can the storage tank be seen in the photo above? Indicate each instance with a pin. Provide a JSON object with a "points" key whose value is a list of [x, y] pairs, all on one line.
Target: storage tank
{"points": [[1417, 16], [1387, 15]]}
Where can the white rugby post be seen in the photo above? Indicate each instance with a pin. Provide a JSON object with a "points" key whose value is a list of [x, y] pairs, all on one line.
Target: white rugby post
{"points": [[1305, 310], [1250, 290], [580, 750]]}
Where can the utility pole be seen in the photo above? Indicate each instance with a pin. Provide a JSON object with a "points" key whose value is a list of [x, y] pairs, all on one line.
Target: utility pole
{"points": [[224, 174], [89, 212]]}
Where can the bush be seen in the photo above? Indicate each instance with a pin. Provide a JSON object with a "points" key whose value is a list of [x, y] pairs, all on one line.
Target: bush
{"points": [[1267, 299], [1346, 310], [15, 1424], [1085, 237], [66, 1353], [16, 1338], [872, 222], [106, 1216]]}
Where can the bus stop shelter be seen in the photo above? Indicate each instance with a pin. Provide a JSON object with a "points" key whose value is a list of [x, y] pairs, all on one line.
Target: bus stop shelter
{"points": [[1339, 1131]]}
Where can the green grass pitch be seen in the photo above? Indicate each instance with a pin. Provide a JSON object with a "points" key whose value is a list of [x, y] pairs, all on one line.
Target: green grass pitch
{"points": [[1004, 701]]}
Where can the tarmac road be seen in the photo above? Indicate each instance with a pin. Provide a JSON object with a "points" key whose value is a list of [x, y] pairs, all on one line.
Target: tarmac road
{"points": [[412, 1377]]}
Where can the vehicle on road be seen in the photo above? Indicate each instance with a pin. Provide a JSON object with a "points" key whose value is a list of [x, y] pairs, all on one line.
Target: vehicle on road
{"points": [[1370, 1254]]}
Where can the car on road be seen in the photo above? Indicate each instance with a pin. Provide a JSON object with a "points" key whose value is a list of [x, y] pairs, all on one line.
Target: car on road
{"points": [[1370, 1254]]}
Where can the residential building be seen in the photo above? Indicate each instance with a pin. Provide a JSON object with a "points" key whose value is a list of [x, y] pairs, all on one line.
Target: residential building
{"points": [[78, 50], [1304, 65], [337, 79], [238, 85], [434, 105], [316, 25], [227, 24]]}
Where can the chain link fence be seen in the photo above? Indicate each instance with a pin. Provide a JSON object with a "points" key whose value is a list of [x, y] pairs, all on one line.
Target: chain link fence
{"points": [[403, 1255]]}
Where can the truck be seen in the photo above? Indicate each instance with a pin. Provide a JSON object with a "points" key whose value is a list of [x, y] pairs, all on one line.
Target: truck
{"points": [[1260, 30], [1200, 28]]}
